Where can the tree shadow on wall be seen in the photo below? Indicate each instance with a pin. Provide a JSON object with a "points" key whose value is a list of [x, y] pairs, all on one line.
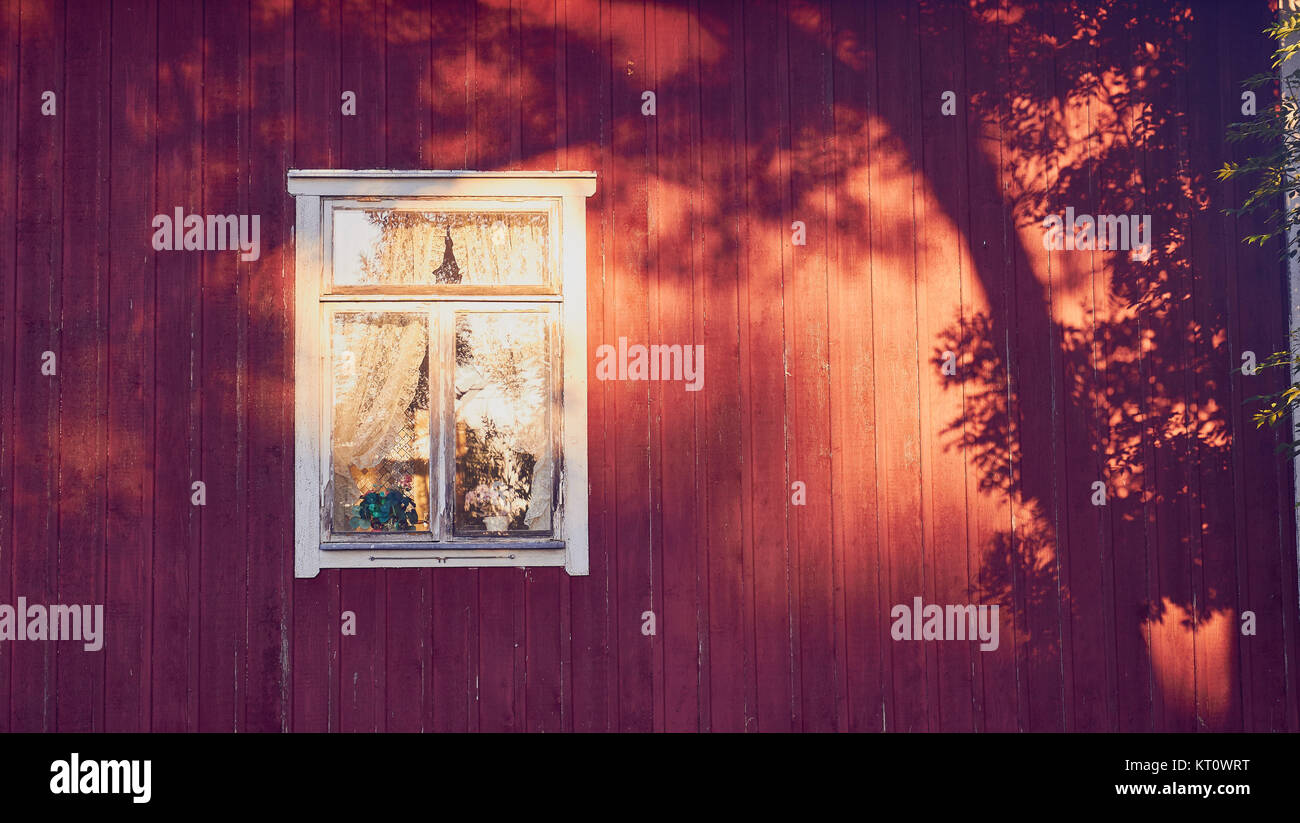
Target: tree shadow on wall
{"points": [[1128, 381]]}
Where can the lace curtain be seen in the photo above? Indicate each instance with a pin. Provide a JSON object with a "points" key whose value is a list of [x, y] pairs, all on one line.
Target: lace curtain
{"points": [[377, 360], [405, 247], [500, 248], [378, 357]]}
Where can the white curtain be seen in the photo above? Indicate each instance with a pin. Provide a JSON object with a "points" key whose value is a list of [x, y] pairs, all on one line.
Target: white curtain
{"points": [[377, 357], [498, 248], [491, 248], [538, 515]]}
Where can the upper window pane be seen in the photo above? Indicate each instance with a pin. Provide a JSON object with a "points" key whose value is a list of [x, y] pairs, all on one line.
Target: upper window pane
{"points": [[405, 246]]}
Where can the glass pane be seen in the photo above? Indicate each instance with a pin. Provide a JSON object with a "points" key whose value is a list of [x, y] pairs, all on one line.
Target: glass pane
{"points": [[380, 441], [408, 247], [504, 466]]}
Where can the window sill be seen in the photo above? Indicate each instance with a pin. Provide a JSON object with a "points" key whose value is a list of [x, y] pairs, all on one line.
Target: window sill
{"points": [[376, 556], [385, 547]]}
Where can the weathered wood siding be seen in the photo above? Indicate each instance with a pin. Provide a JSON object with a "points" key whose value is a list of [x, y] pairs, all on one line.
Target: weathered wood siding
{"points": [[824, 367]]}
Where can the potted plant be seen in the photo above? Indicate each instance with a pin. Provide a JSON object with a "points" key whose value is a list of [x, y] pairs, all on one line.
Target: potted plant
{"points": [[391, 510]]}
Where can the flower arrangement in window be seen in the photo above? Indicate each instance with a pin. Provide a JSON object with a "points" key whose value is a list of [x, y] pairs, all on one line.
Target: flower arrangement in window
{"points": [[391, 510], [496, 479], [496, 503]]}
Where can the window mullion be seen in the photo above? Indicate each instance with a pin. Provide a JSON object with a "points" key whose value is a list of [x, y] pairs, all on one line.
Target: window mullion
{"points": [[433, 367], [444, 424]]}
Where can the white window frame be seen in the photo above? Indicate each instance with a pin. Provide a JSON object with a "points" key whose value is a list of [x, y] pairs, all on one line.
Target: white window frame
{"points": [[314, 192]]}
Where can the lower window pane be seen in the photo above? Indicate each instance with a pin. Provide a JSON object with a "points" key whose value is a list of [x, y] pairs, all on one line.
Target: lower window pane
{"points": [[380, 440], [504, 465]]}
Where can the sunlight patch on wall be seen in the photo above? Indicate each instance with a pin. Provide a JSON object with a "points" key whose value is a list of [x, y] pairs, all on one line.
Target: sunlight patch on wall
{"points": [[1181, 650]]}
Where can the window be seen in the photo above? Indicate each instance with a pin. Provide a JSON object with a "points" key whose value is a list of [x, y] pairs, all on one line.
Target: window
{"points": [[440, 389]]}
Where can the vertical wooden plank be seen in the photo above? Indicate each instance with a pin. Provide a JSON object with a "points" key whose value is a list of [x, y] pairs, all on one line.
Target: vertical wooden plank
{"points": [[537, 85], [766, 484], [731, 581], [1165, 321], [179, 334], [539, 89], [943, 206], [1186, 489], [1238, 386], [985, 429], [807, 347], [493, 36], [500, 595], [1125, 455], [852, 368], [654, 390], [1048, 530], [1093, 624], [628, 173], [702, 216], [407, 127], [500, 591], [1180, 390], [1035, 547], [894, 141], [317, 119], [509, 58], [676, 208], [1084, 647], [269, 407], [363, 46], [223, 366], [1108, 109], [1214, 582], [455, 591], [131, 352], [9, 97], [543, 633], [82, 375], [587, 130], [363, 54], [1150, 606], [36, 395]]}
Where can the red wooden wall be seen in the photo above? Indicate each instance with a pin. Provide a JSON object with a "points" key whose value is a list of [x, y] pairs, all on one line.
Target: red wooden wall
{"points": [[823, 366]]}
